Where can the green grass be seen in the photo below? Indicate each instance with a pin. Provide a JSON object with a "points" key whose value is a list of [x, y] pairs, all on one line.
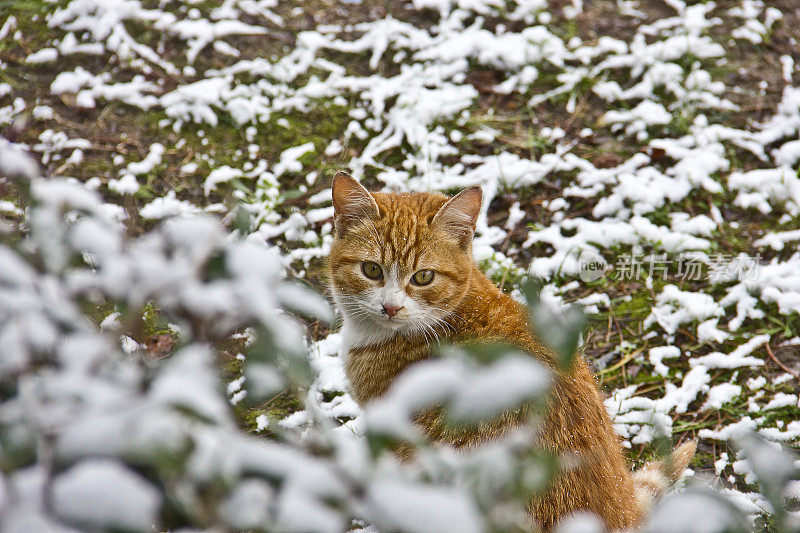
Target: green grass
{"points": [[129, 132]]}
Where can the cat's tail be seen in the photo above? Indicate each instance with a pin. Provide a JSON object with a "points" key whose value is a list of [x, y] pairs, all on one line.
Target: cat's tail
{"points": [[654, 478]]}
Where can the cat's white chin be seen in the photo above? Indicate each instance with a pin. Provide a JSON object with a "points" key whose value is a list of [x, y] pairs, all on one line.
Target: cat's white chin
{"points": [[396, 324], [373, 330], [363, 333]]}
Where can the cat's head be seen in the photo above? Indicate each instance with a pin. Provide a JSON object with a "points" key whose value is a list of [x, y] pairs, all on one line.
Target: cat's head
{"points": [[400, 262]]}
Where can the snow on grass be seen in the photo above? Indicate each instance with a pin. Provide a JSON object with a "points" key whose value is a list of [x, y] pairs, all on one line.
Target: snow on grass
{"points": [[689, 179]]}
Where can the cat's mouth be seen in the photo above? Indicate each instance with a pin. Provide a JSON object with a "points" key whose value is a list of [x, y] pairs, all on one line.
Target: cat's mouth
{"points": [[396, 323], [393, 321]]}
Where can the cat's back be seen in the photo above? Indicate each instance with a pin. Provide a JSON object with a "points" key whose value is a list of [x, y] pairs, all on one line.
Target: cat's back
{"points": [[486, 314]]}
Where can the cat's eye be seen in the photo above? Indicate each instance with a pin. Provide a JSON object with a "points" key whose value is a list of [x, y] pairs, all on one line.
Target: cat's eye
{"points": [[422, 277], [371, 269]]}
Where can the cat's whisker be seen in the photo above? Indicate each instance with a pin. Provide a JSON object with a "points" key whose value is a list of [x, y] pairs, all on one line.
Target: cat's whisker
{"points": [[436, 322], [443, 319]]}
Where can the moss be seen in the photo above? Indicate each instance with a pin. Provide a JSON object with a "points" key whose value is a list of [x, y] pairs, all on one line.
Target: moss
{"points": [[701, 459], [638, 306], [153, 322], [275, 409], [24, 10]]}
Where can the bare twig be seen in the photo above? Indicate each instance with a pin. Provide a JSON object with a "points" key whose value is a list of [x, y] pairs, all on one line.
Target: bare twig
{"points": [[624, 360], [779, 363]]}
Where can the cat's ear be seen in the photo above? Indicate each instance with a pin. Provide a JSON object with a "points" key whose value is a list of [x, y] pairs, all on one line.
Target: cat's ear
{"points": [[460, 213], [351, 201]]}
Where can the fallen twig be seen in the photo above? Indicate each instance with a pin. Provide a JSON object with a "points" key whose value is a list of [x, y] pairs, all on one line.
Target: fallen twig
{"points": [[624, 360], [780, 364]]}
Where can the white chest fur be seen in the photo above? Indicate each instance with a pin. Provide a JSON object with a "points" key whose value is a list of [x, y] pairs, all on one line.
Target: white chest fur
{"points": [[358, 334]]}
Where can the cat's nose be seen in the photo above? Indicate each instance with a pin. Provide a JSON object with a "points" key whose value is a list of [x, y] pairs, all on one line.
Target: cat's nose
{"points": [[391, 310]]}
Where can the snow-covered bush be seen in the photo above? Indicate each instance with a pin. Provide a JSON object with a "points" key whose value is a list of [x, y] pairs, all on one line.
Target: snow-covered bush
{"points": [[97, 435]]}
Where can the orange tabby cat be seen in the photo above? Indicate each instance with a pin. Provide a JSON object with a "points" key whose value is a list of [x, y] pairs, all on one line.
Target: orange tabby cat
{"points": [[401, 268]]}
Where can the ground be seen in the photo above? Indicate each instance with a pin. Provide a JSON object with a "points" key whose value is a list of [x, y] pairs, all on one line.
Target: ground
{"points": [[657, 137]]}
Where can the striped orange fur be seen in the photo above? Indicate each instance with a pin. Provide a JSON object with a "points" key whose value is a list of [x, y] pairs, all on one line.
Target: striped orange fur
{"points": [[390, 321]]}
